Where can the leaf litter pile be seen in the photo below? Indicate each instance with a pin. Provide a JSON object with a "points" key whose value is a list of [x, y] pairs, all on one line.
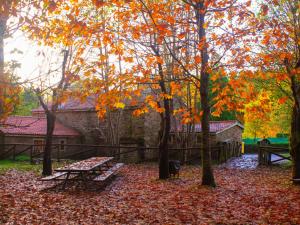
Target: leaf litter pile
{"points": [[261, 196]]}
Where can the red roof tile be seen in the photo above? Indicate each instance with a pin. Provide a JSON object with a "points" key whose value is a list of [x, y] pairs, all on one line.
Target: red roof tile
{"points": [[74, 105], [27, 125], [216, 126]]}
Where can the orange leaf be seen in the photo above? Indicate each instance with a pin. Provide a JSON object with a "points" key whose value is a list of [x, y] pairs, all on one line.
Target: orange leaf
{"points": [[197, 59], [282, 100]]}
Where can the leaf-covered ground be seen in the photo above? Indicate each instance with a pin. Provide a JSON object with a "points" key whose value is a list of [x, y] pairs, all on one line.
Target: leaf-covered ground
{"points": [[261, 196]]}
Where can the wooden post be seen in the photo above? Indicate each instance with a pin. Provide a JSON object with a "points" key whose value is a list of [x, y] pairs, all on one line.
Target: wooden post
{"points": [[119, 151], [226, 150], [141, 152], [14, 152], [218, 154], [31, 154], [259, 156], [269, 158], [97, 151], [58, 153]]}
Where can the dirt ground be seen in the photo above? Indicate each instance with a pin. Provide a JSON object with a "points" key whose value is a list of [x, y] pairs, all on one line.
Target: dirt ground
{"points": [[135, 196]]}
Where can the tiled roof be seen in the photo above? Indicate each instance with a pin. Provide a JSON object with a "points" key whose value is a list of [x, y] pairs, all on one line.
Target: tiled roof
{"points": [[73, 105], [216, 126], [27, 125]]}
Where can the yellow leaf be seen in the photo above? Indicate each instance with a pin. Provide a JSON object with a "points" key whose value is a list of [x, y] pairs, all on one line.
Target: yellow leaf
{"points": [[119, 105], [186, 120]]}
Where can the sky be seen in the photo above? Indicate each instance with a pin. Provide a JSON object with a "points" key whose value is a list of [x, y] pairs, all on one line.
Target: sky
{"points": [[28, 59], [34, 66]]}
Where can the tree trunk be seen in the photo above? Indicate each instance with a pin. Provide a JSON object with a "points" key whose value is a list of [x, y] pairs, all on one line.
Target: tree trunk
{"points": [[51, 117], [295, 142], [295, 122], [165, 128], [163, 145], [207, 172], [47, 164], [2, 31], [2, 76]]}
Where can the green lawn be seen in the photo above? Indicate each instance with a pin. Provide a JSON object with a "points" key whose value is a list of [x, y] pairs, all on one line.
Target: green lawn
{"points": [[286, 164], [22, 163], [18, 165]]}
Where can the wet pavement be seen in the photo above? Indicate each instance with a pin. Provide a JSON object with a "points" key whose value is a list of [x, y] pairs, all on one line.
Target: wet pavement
{"points": [[246, 161]]}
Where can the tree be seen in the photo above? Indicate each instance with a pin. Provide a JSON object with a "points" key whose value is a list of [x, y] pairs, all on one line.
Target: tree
{"points": [[166, 45], [269, 113], [117, 87], [45, 28], [278, 29], [13, 13], [56, 100], [211, 46], [158, 31], [28, 102]]}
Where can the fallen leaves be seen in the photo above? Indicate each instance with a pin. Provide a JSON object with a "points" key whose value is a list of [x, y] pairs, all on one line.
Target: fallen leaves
{"points": [[262, 196]]}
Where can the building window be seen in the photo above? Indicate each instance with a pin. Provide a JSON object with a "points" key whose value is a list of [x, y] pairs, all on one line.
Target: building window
{"points": [[62, 144], [38, 145]]}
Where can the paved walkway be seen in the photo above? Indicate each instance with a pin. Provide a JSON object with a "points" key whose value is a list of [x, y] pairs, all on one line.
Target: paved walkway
{"points": [[246, 161]]}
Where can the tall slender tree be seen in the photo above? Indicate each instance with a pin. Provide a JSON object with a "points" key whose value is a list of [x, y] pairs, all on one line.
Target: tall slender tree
{"points": [[50, 111], [278, 58], [12, 16]]}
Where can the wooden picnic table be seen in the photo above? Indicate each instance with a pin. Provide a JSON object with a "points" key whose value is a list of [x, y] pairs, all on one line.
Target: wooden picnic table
{"points": [[92, 169], [86, 165]]}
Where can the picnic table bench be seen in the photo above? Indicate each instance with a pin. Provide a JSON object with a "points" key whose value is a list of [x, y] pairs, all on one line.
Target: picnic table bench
{"points": [[92, 169]]}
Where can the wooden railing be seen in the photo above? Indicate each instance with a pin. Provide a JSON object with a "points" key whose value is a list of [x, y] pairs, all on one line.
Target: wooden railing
{"points": [[220, 154], [265, 154]]}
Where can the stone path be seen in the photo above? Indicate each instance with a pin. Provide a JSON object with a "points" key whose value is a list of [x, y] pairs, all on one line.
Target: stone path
{"points": [[246, 161]]}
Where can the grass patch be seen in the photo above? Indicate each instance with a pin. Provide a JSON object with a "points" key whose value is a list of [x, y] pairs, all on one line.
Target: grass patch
{"points": [[22, 163], [286, 154], [286, 164], [8, 164]]}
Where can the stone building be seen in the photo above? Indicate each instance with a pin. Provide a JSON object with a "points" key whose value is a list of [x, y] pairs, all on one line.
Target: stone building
{"points": [[228, 131], [77, 123], [23, 131], [225, 141], [82, 117]]}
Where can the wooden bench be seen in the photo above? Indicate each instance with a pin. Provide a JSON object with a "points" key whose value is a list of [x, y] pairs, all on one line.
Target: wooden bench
{"points": [[296, 181], [109, 172], [54, 176]]}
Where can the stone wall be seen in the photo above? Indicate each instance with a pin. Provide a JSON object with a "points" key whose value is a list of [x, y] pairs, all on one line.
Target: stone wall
{"points": [[25, 141], [233, 133], [131, 126], [196, 140], [151, 126], [87, 123], [94, 131]]}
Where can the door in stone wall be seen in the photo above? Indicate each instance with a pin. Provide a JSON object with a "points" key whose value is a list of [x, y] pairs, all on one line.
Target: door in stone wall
{"points": [[39, 145]]}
